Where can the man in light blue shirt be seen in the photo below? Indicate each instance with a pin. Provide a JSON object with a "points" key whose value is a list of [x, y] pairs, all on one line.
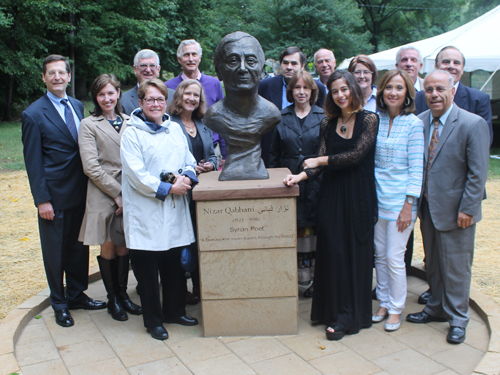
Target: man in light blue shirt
{"points": [[50, 129], [456, 168]]}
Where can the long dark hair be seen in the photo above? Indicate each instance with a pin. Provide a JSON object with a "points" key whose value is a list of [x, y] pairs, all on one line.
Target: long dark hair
{"points": [[332, 110]]}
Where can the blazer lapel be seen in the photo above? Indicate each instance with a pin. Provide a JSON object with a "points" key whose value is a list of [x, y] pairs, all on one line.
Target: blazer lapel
{"points": [[76, 108], [310, 121], [294, 124], [134, 98], [427, 126], [181, 124], [55, 118], [448, 128], [103, 125], [278, 92], [460, 98]]}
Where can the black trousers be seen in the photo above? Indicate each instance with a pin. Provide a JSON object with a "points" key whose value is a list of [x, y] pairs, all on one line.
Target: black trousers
{"points": [[63, 255], [147, 265]]}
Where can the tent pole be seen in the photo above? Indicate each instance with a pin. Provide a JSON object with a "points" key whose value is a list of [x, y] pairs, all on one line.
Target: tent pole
{"points": [[489, 78]]}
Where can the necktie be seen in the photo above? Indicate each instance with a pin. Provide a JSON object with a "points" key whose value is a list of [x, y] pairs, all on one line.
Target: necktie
{"points": [[432, 151], [70, 120]]}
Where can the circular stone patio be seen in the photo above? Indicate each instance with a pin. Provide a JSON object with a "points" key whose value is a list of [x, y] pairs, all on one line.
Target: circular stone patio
{"points": [[31, 343]]}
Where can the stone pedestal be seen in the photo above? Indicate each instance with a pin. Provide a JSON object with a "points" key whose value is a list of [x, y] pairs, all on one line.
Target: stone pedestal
{"points": [[247, 241]]}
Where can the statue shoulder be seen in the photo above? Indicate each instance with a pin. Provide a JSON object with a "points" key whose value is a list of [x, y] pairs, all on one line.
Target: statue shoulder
{"points": [[214, 110], [268, 109]]}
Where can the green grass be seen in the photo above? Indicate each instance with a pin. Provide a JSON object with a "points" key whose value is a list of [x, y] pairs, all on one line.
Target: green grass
{"points": [[494, 166], [11, 147]]}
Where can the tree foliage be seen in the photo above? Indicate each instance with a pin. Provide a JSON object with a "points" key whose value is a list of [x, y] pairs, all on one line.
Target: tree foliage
{"points": [[103, 36], [395, 22], [308, 24]]}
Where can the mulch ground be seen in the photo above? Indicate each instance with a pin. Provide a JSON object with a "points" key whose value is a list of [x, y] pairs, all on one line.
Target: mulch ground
{"points": [[21, 268]]}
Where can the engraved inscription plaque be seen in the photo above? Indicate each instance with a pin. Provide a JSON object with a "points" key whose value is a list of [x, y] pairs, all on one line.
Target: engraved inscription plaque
{"points": [[246, 224]]}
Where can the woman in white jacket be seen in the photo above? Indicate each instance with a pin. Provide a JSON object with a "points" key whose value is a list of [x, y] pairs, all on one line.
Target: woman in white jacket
{"points": [[158, 170]]}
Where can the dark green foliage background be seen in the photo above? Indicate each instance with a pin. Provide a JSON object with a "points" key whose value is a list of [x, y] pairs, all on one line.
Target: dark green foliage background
{"points": [[103, 36]]}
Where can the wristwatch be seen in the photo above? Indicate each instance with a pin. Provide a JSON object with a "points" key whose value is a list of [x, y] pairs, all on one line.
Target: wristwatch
{"points": [[410, 200]]}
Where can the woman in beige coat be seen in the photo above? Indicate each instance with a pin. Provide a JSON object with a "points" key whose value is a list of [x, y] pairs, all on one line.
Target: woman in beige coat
{"points": [[99, 141]]}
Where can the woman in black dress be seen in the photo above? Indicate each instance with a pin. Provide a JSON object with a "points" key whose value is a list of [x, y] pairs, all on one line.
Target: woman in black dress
{"points": [[347, 209], [296, 138], [187, 109]]}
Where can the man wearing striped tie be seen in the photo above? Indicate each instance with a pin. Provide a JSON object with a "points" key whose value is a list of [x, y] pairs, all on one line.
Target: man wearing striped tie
{"points": [[59, 187], [456, 166]]}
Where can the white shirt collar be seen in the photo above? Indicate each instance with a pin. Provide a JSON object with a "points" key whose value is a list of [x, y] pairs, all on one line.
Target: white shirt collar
{"points": [[184, 77]]}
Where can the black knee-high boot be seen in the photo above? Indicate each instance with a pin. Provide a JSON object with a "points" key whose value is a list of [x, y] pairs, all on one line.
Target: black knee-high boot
{"points": [[123, 269], [109, 274]]}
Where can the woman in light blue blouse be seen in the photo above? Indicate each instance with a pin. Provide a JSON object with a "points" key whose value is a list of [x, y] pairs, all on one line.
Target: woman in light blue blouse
{"points": [[398, 173]]}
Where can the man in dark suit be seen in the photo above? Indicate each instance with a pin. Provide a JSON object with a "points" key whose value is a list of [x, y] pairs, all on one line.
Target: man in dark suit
{"points": [[456, 160], [274, 89], [453, 61], [59, 187], [146, 66], [474, 101]]}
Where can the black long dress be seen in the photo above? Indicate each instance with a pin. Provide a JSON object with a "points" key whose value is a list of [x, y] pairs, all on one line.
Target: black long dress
{"points": [[346, 218]]}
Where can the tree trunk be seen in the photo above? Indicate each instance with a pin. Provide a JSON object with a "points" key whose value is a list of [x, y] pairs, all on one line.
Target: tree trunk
{"points": [[10, 87], [72, 21], [81, 87], [8, 107]]}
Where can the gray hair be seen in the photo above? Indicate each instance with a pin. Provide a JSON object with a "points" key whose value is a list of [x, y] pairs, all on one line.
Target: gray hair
{"points": [[187, 42], [333, 56], [404, 48], [451, 80], [146, 54]]}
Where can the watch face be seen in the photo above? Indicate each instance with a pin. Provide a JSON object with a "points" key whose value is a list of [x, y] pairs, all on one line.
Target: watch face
{"points": [[410, 200]]}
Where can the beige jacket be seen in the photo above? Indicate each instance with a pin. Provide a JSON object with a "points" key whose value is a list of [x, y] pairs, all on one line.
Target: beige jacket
{"points": [[100, 153]]}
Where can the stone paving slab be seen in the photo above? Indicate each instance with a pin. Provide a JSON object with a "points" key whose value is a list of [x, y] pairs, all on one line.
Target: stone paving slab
{"points": [[98, 344]]}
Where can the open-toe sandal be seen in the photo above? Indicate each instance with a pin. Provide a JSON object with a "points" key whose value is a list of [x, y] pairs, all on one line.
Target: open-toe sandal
{"points": [[336, 335]]}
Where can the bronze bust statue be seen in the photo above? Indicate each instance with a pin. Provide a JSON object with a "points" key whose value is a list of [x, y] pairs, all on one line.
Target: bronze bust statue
{"points": [[242, 117]]}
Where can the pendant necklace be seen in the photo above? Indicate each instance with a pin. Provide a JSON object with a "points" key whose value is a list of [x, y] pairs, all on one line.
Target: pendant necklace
{"points": [[191, 129], [343, 129]]}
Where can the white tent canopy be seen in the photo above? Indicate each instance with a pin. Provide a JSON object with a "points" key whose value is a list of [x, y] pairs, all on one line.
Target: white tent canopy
{"points": [[477, 40]]}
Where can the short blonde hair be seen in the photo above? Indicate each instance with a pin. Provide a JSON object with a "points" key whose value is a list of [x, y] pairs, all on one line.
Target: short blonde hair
{"points": [[155, 82]]}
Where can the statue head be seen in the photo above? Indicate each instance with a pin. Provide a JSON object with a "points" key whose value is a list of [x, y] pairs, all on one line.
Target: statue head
{"points": [[239, 61]]}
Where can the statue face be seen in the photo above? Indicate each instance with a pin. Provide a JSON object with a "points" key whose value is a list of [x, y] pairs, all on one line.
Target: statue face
{"points": [[241, 69]]}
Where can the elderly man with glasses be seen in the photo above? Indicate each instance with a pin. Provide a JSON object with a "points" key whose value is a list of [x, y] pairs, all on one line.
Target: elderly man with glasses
{"points": [[146, 67]]}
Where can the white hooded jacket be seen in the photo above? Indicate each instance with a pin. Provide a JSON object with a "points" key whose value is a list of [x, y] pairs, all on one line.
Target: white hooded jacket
{"points": [[154, 219]]}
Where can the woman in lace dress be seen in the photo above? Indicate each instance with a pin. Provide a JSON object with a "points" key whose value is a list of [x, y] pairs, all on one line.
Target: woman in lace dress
{"points": [[347, 209]]}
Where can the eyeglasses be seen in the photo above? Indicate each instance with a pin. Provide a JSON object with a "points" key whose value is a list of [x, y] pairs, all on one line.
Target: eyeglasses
{"points": [[52, 73], [151, 101], [361, 72], [146, 66]]}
